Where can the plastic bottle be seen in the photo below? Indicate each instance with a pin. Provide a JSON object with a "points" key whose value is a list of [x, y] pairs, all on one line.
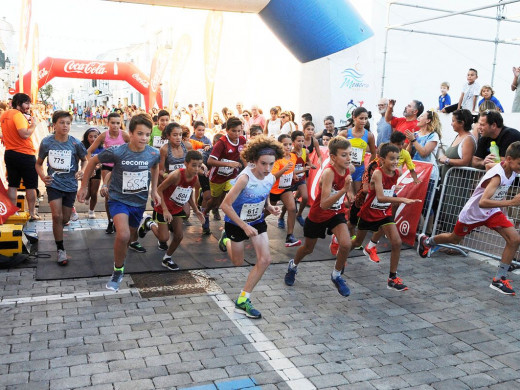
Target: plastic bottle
{"points": [[493, 149]]}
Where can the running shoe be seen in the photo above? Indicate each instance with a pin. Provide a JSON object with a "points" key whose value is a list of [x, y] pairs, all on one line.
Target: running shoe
{"points": [[281, 223], [110, 228], [290, 276], [115, 280], [91, 214], [503, 286], [300, 220], [341, 285], [396, 284], [247, 308], [216, 215], [143, 226], [205, 225], [74, 215], [334, 246], [62, 257], [221, 244], [136, 246], [357, 248], [291, 241], [422, 248], [162, 245], [371, 253], [170, 264]]}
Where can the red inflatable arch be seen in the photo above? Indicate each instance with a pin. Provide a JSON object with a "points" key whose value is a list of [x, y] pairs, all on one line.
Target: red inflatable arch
{"points": [[98, 70]]}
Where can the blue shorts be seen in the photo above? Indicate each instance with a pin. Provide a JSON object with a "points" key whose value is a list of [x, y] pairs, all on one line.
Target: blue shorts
{"points": [[358, 174], [135, 214]]}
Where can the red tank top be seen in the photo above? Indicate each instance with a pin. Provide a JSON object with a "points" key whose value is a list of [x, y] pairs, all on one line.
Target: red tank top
{"points": [[316, 213], [175, 197], [372, 209]]}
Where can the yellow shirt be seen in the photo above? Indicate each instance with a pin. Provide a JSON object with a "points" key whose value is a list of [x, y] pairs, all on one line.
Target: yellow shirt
{"points": [[405, 158]]}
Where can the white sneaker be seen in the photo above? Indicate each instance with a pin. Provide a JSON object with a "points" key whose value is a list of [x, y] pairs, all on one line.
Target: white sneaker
{"points": [[62, 257], [91, 214], [74, 215]]}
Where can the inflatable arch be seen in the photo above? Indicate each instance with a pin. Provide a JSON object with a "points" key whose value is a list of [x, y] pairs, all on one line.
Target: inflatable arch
{"points": [[96, 70], [309, 29]]}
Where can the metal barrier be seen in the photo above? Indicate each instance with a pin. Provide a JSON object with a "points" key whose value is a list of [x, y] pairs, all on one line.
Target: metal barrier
{"points": [[458, 185]]}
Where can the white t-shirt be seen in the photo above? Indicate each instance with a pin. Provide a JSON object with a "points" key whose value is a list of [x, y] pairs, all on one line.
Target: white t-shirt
{"points": [[469, 92], [288, 128], [274, 127]]}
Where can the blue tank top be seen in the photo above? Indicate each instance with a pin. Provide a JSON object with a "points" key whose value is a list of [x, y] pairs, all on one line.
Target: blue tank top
{"points": [[359, 147], [172, 163], [249, 204]]}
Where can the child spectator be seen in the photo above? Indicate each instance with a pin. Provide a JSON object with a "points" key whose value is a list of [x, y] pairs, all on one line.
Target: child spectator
{"points": [[470, 92], [488, 94], [444, 98]]}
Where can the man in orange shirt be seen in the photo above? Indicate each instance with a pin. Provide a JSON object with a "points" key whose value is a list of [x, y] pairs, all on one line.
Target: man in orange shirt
{"points": [[20, 153]]}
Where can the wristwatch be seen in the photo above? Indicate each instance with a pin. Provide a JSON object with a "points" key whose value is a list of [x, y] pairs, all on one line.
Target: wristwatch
{"points": [[447, 161]]}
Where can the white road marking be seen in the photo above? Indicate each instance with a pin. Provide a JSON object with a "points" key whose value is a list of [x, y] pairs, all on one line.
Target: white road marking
{"points": [[60, 297]]}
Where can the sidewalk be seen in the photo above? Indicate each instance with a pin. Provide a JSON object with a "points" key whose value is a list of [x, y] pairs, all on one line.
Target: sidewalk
{"points": [[449, 331]]}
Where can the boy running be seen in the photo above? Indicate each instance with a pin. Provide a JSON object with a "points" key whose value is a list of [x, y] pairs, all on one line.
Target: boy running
{"points": [[135, 165], [244, 208], [327, 214], [483, 209], [376, 211], [63, 152]]}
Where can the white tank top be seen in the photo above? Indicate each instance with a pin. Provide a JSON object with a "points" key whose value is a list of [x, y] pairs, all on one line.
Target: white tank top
{"points": [[472, 213], [274, 127]]}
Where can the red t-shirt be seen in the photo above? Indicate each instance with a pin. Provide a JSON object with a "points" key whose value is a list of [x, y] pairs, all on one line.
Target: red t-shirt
{"points": [[316, 213], [401, 124], [175, 197], [224, 150], [372, 209]]}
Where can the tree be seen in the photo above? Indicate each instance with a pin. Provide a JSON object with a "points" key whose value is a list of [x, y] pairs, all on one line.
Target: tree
{"points": [[45, 93]]}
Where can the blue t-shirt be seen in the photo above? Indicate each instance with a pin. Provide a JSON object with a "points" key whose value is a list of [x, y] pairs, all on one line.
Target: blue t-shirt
{"points": [[444, 101], [494, 100], [205, 140], [62, 161], [130, 177], [250, 203]]}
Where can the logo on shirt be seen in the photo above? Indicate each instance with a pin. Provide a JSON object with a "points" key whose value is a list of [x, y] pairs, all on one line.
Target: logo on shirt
{"points": [[230, 151], [141, 163]]}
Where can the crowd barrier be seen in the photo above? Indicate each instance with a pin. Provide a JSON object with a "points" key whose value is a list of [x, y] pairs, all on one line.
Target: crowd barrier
{"points": [[458, 185]]}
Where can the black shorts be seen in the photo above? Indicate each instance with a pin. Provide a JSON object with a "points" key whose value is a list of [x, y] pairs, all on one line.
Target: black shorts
{"points": [[374, 226], [236, 234], [67, 198], [97, 175], [106, 168], [21, 166], [318, 230], [204, 183], [159, 218], [274, 198], [353, 215]]}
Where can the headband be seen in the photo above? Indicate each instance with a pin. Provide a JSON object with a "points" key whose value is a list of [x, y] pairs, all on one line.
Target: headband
{"points": [[266, 152]]}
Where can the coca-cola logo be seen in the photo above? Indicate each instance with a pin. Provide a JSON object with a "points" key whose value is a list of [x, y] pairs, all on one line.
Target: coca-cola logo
{"points": [[42, 73], [140, 80], [85, 68]]}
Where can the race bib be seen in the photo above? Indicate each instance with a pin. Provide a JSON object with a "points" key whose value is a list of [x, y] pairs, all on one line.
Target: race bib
{"points": [[337, 205], [225, 171], [500, 193], [285, 181], [299, 167], [59, 160], [173, 167], [181, 195], [250, 212], [134, 182], [158, 141], [356, 156], [382, 206]]}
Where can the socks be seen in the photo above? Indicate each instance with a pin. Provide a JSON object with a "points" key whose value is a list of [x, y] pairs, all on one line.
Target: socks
{"points": [[371, 244], [292, 265], [166, 257], [59, 245], [392, 275], [243, 296], [122, 269], [149, 224], [225, 241], [502, 270], [336, 274], [430, 241]]}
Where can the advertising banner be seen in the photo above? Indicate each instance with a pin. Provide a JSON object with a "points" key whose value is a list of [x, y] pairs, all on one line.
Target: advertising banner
{"points": [[212, 35], [35, 64], [178, 61], [159, 63]]}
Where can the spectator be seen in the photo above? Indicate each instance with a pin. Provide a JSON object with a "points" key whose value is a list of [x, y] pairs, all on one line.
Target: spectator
{"points": [[486, 105], [18, 125], [257, 118], [444, 98], [469, 95], [329, 127], [491, 127], [515, 88], [410, 114], [488, 95], [306, 118], [240, 108], [287, 123], [273, 125], [384, 129]]}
